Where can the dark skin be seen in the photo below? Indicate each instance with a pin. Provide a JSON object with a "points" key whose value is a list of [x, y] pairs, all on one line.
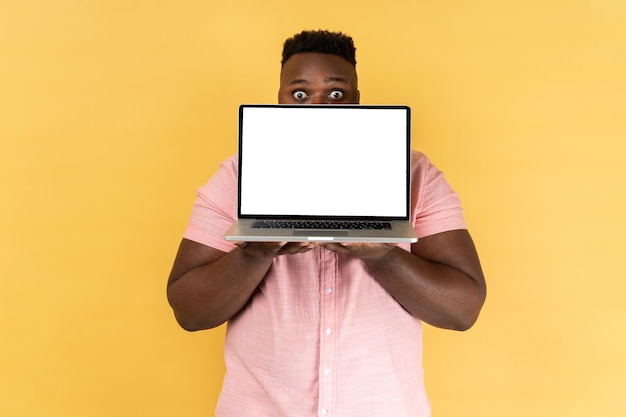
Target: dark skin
{"points": [[440, 281]]}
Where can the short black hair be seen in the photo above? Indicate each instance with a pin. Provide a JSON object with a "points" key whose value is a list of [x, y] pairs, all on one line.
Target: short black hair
{"points": [[320, 41]]}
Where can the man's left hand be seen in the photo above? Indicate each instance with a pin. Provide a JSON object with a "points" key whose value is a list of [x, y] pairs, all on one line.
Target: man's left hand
{"points": [[365, 251]]}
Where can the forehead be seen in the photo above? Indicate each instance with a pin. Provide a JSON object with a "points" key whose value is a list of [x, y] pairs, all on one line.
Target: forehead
{"points": [[311, 65]]}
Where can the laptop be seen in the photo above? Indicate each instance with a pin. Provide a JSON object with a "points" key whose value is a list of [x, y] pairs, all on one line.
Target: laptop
{"points": [[323, 173]]}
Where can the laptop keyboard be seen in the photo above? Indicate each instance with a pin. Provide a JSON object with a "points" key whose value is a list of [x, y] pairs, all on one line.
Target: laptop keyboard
{"points": [[317, 224]]}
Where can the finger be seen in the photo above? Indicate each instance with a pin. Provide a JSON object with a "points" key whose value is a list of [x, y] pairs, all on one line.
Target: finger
{"points": [[335, 247]]}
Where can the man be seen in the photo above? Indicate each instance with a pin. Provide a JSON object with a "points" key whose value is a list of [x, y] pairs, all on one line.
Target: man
{"points": [[328, 328]]}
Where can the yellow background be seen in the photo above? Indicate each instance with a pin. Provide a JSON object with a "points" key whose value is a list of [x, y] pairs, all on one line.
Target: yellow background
{"points": [[112, 114]]}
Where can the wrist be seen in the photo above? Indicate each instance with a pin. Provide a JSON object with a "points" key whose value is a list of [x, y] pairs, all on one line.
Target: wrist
{"points": [[382, 257]]}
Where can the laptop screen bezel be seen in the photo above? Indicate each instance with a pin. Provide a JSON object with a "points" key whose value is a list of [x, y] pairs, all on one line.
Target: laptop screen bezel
{"points": [[407, 190]]}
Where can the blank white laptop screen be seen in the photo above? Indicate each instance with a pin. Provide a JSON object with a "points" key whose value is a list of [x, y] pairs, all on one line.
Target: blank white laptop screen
{"points": [[349, 161]]}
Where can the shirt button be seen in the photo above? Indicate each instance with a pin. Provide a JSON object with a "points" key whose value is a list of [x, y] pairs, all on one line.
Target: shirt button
{"points": [[329, 290], [329, 331], [326, 371], [324, 412]]}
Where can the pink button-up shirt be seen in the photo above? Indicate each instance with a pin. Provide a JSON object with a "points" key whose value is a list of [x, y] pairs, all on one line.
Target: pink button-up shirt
{"points": [[320, 336]]}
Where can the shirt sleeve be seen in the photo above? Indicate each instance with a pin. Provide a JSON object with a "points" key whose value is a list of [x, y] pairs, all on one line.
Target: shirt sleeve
{"points": [[436, 208], [215, 208]]}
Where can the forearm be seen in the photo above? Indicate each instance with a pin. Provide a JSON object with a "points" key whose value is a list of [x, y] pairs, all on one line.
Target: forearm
{"points": [[210, 294], [436, 293]]}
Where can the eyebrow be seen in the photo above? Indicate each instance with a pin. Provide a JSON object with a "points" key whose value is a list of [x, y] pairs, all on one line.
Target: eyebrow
{"points": [[328, 80]]}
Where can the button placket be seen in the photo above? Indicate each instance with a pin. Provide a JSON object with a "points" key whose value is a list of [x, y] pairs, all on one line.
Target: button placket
{"points": [[328, 333]]}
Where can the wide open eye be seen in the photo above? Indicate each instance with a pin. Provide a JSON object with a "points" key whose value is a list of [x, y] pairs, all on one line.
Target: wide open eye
{"points": [[336, 94], [300, 95]]}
